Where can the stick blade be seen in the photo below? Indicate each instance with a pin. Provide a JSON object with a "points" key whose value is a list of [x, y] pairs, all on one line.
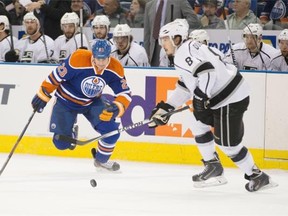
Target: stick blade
{"points": [[65, 138]]}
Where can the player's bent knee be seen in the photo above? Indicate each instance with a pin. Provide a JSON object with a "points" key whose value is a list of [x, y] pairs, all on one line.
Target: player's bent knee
{"points": [[61, 145], [236, 153], [204, 138]]}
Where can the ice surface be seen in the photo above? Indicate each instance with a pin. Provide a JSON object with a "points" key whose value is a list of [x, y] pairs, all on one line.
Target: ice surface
{"points": [[38, 185]]}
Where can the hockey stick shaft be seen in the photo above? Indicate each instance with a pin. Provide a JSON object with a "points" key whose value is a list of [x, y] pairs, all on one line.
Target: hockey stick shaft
{"points": [[228, 36], [114, 132], [16, 144], [81, 27]]}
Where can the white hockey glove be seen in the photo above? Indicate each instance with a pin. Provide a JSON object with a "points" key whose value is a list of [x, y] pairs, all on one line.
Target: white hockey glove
{"points": [[157, 114]]}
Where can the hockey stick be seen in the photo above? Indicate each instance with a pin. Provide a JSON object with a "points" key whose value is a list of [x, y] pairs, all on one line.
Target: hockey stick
{"points": [[81, 27], [228, 36], [114, 132], [17, 142]]}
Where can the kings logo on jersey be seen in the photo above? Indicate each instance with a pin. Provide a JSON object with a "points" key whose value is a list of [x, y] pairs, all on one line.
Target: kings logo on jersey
{"points": [[92, 86], [27, 56]]}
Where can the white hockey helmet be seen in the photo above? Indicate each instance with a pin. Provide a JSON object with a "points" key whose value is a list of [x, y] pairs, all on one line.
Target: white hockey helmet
{"points": [[283, 35], [31, 16], [173, 29], [5, 21], [68, 18], [101, 20], [199, 35], [253, 29], [121, 30]]}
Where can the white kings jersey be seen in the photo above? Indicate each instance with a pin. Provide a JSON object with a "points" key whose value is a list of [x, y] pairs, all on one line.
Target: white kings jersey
{"points": [[5, 46], [279, 62], [35, 51], [63, 47], [136, 56], [248, 61], [200, 67]]}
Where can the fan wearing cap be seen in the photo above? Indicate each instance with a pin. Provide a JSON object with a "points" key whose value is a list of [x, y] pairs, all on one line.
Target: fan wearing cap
{"points": [[78, 84], [209, 19], [252, 53], [280, 61]]}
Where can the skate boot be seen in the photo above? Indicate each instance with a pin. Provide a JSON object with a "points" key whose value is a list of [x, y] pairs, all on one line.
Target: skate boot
{"points": [[258, 181], [109, 165], [75, 131], [212, 175]]}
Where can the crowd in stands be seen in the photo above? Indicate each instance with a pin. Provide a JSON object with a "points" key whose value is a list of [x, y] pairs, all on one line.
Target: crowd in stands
{"points": [[44, 20]]}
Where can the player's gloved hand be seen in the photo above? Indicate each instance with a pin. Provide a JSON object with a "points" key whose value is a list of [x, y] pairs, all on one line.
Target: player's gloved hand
{"points": [[11, 56], [111, 112], [40, 100], [157, 114], [200, 101]]}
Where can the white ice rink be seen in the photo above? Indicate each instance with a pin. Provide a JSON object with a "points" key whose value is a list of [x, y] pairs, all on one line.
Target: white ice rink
{"points": [[37, 185]]}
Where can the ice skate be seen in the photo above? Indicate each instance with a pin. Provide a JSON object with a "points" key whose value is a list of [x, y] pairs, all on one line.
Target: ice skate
{"points": [[212, 175], [259, 181], [109, 165]]}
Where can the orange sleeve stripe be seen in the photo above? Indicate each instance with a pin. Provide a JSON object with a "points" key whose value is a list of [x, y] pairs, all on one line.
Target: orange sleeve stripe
{"points": [[123, 100], [53, 80], [49, 87], [43, 96]]}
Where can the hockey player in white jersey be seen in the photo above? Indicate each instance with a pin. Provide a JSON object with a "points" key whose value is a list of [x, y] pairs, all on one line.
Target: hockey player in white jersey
{"points": [[101, 27], [34, 47], [202, 36], [71, 39], [252, 54], [220, 98], [280, 60], [128, 52], [5, 42]]}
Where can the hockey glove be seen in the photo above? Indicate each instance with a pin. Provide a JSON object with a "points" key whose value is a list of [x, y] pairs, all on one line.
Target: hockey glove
{"points": [[40, 100], [157, 114], [111, 112], [11, 56], [200, 100]]}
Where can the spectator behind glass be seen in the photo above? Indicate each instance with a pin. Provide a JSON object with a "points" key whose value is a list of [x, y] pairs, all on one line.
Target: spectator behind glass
{"points": [[275, 15], [17, 13], [136, 14], [76, 5], [242, 15], [280, 61], [52, 11], [171, 11], [114, 11], [209, 20]]}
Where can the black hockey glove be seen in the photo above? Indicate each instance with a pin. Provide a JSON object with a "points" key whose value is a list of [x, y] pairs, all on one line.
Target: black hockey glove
{"points": [[157, 114], [200, 100], [40, 100], [11, 56]]}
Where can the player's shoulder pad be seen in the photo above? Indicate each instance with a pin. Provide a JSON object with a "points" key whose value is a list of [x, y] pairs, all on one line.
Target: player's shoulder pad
{"points": [[116, 66], [81, 58]]}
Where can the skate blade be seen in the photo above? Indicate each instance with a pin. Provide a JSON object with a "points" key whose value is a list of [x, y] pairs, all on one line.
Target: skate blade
{"points": [[271, 184], [215, 181]]}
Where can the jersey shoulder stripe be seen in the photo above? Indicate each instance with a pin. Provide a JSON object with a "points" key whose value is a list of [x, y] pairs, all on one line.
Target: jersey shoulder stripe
{"points": [[81, 58]]}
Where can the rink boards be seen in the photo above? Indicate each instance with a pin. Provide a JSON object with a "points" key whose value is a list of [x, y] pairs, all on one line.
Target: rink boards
{"points": [[265, 121]]}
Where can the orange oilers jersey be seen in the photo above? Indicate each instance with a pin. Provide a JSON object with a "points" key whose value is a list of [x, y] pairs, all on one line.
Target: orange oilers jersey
{"points": [[78, 84]]}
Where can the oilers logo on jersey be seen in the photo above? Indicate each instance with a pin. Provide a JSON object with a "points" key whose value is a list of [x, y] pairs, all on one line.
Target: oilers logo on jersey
{"points": [[92, 86]]}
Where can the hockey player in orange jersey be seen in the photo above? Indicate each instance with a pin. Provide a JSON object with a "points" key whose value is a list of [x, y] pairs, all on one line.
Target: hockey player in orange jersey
{"points": [[78, 84]]}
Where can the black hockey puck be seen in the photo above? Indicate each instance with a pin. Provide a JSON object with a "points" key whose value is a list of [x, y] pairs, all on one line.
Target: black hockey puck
{"points": [[93, 182]]}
